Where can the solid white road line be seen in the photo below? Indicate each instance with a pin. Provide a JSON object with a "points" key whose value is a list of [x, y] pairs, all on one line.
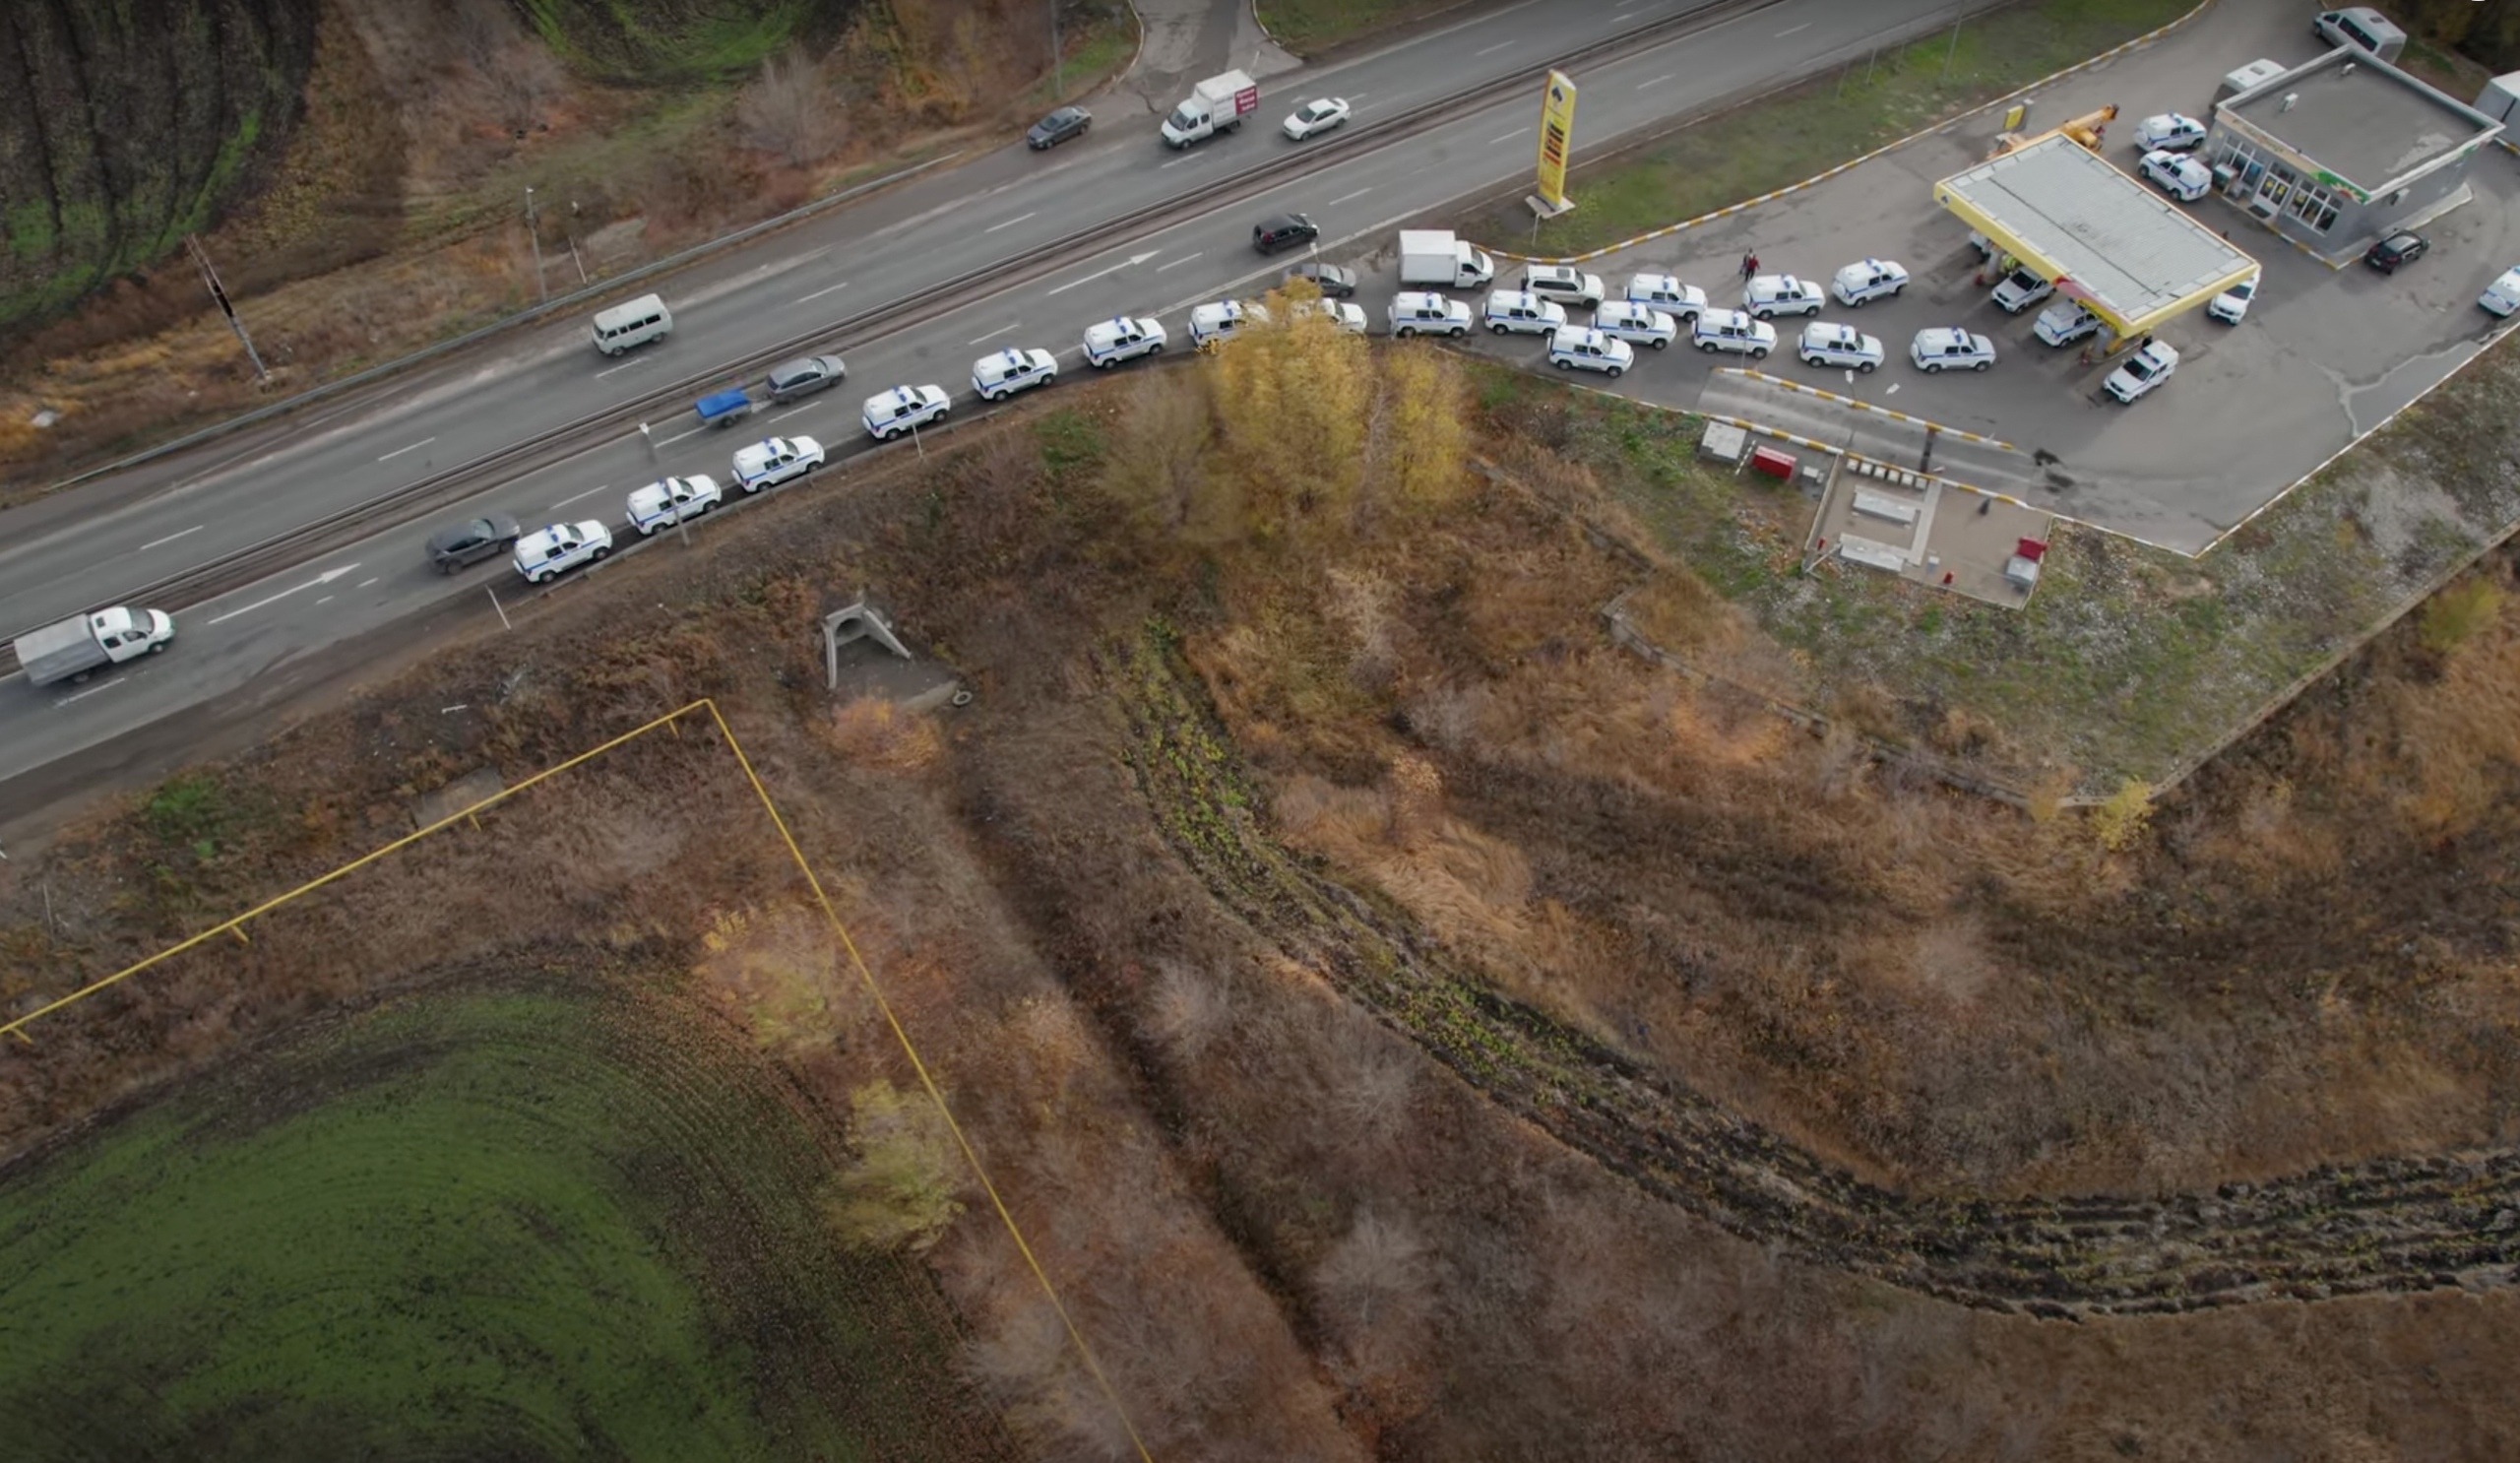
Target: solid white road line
{"points": [[590, 492], [994, 334], [625, 365], [1498, 142], [679, 437], [1346, 198], [1781, 35], [1009, 223], [1501, 45], [819, 294], [324, 578], [170, 538], [414, 447], [1655, 81], [1100, 272], [92, 690], [790, 412], [1185, 259], [364, 583]]}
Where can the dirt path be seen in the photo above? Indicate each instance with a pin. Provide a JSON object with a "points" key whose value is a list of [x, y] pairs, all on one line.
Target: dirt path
{"points": [[2390, 1225]]}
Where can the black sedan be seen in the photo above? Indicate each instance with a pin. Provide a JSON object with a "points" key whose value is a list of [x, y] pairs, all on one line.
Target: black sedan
{"points": [[485, 538], [1334, 282], [1284, 232], [2398, 248], [1059, 127]]}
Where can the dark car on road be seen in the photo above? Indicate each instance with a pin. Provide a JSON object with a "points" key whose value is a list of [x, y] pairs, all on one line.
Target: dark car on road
{"points": [[1333, 280], [1059, 127], [805, 378], [487, 538], [1284, 232], [2398, 248]]}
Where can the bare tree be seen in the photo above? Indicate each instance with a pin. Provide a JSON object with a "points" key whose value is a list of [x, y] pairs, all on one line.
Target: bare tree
{"points": [[789, 110]]}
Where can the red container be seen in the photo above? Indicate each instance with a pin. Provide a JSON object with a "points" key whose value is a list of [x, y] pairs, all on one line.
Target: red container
{"points": [[1772, 462]]}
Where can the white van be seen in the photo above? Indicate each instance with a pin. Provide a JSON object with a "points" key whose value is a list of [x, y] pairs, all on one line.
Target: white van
{"points": [[2362, 27], [634, 323]]}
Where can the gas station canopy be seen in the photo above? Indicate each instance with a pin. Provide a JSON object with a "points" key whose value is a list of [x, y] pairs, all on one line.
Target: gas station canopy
{"points": [[2124, 249]]}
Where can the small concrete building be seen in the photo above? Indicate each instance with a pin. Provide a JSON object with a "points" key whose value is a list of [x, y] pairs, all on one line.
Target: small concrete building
{"points": [[2344, 149]]}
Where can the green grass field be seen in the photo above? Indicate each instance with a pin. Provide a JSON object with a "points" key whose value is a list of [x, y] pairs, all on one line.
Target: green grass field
{"points": [[490, 1226]]}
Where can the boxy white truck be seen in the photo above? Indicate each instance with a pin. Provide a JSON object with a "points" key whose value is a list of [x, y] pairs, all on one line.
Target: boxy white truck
{"points": [[83, 644], [1217, 105], [1432, 256]]}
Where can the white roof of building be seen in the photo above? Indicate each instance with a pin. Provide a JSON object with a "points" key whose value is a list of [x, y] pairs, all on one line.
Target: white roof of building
{"points": [[2128, 249], [2365, 122]]}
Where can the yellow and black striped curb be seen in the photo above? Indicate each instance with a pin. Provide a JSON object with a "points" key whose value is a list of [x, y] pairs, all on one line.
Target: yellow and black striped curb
{"points": [[2114, 53], [1936, 427]]}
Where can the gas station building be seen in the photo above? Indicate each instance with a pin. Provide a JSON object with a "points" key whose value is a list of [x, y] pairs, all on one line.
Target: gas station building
{"points": [[2121, 247]]}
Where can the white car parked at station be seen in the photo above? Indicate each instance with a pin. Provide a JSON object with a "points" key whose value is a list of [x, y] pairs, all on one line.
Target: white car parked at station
{"points": [[1424, 313], [662, 504], [2232, 305], [1107, 343], [2181, 177], [1579, 348], [2168, 131], [1516, 310], [2500, 297], [1771, 295], [1667, 292], [1638, 325], [1866, 280], [2065, 322], [1002, 373], [774, 459], [1827, 345], [2023, 287], [1951, 349], [1566, 286], [2148, 367], [895, 412], [1734, 332]]}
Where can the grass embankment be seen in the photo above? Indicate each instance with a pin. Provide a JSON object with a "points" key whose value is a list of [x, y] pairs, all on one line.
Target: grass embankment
{"points": [[2131, 662], [1814, 127], [1309, 27], [488, 1225]]}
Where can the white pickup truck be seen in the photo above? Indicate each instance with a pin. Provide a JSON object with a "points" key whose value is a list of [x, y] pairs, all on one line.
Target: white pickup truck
{"points": [[77, 647]]}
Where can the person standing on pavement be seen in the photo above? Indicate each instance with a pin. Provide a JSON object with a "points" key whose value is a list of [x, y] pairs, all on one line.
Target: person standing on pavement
{"points": [[1749, 265]]}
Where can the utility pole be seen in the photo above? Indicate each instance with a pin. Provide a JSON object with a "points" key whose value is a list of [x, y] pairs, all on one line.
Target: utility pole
{"points": [[218, 292], [1951, 51], [542, 287], [1058, 59]]}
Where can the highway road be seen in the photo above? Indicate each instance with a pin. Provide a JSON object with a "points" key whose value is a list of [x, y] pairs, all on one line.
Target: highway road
{"points": [[1004, 212]]}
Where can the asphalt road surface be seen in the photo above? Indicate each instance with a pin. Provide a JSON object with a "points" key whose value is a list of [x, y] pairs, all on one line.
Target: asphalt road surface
{"points": [[91, 544]]}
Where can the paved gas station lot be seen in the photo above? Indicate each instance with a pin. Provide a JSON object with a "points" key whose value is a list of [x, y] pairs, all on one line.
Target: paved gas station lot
{"points": [[2325, 354]]}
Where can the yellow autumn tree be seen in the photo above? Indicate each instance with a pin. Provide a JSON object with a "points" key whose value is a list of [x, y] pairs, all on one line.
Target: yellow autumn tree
{"points": [[1292, 394], [1426, 446]]}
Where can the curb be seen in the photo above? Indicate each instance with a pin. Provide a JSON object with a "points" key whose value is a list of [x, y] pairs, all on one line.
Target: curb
{"points": [[1936, 427], [2147, 39], [1137, 19]]}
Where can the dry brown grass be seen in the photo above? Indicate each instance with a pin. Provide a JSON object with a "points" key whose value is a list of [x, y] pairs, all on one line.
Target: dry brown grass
{"points": [[1290, 1233]]}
